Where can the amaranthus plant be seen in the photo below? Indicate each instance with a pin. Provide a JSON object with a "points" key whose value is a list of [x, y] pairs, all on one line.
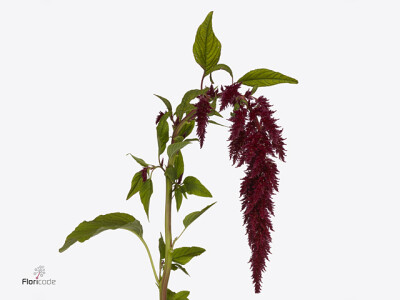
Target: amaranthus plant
{"points": [[255, 141]]}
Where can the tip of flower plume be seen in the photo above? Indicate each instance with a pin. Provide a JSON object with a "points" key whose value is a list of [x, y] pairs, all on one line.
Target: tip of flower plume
{"points": [[159, 116]]}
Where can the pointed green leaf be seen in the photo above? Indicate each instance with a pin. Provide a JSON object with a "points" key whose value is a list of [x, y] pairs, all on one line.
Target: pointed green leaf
{"points": [[215, 113], [179, 164], [206, 47], [166, 102], [170, 295], [185, 254], [161, 247], [174, 148], [193, 186], [162, 133], [216, 123], [86, 230], [170, 172], [136, 184], [265, 77], [220, 67], [185, 103], [190, 218], [145, 193], [183, 295], [213, 103], [183, 190], [178, 198], [192, 140], [175, 267], [139, 160]]}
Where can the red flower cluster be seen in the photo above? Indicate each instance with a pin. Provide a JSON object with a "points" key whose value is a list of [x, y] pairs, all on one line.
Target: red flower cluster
{"points": [[254, 139], [202, 111], [159, 116]]}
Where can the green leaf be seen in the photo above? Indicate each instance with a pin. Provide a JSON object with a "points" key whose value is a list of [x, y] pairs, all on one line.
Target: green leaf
{"points": [[216, 123], [186, 129], [162, 133], [192, 140], [170, 294], [220, 67], [206, 47], [194, 187], [183, 190], [136, 184], [179, 164], [185, 254], [145, 193], [178, 198], [265, 77], [178, 139], [86, 230], [190, 218], [175, 267], [183, 295], [174, 148], [161, 247], [215, 113], [166, 102], [185, 103], [170, 172], [213, 103], [254, 89], [139, 160], [189, 107]]}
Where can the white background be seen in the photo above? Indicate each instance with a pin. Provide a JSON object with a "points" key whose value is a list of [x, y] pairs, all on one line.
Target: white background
{"points": [[76, 88]]}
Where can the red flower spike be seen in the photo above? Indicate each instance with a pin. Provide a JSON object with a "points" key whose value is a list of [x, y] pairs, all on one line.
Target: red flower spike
{"points": [[202, 111], [229, 95], [254, 139], [269, 123], [159, 116], [237, 131], [212, 93]]}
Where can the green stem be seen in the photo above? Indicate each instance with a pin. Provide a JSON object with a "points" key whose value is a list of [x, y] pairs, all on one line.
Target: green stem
{"points": [[168, 203], [151, 260], [177, 238], [202, 79], [168, 238], [186, 119]]}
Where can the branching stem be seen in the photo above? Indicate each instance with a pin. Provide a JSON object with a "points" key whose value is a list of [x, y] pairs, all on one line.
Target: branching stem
{"points": [[151, 259], [177, 238]]}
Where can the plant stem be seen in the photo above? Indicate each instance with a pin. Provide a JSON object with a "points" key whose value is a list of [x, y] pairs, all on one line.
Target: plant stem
{"points": [[179, 126], [168, 238], [151, 259], [168, 202], [202, 79], [177, 238]]}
